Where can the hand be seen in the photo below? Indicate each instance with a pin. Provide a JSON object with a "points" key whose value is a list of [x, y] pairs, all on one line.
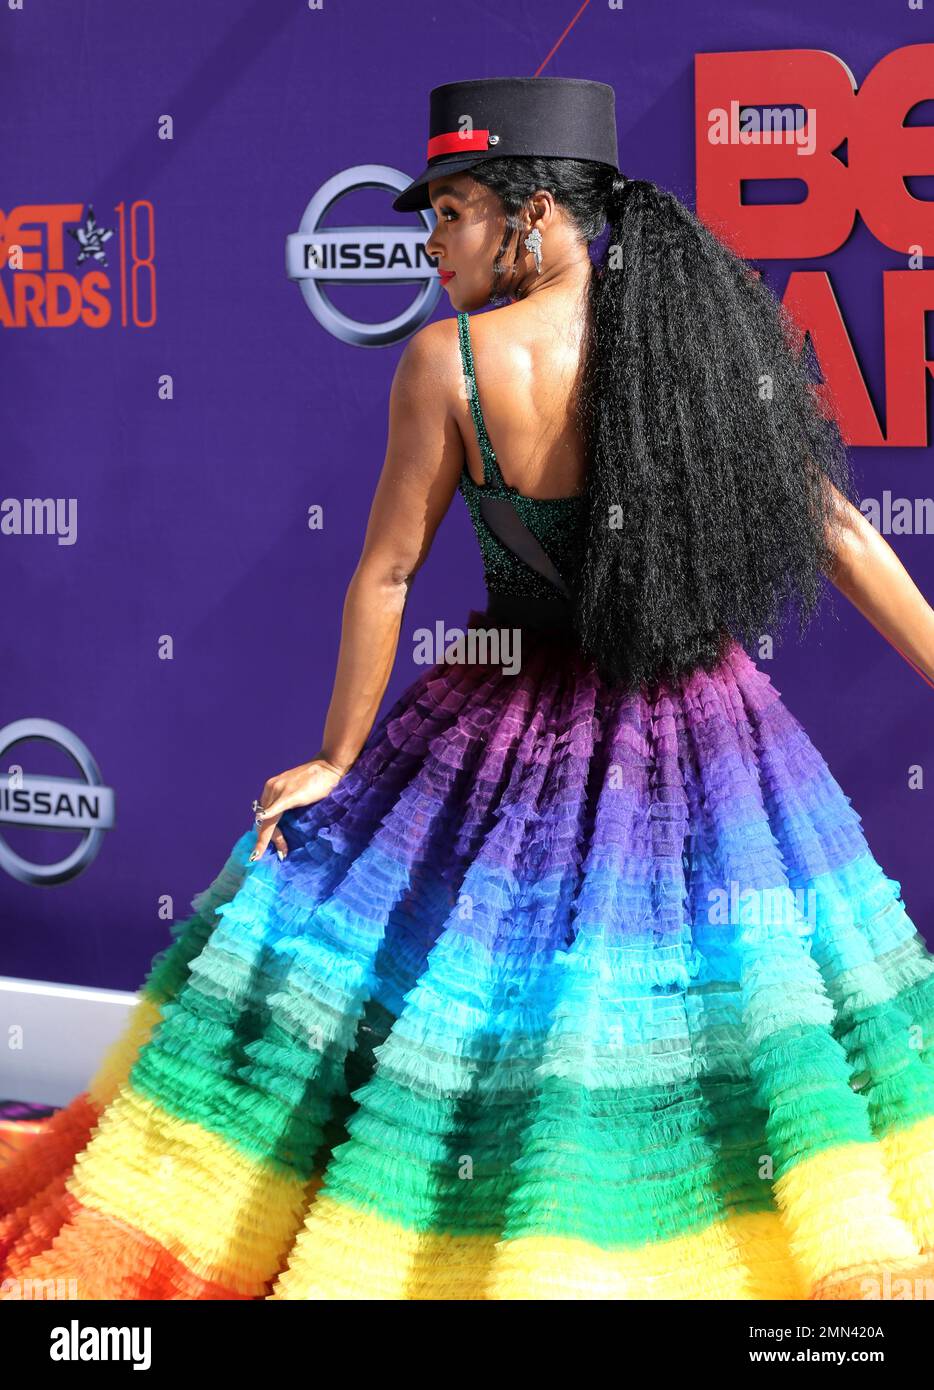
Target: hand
{"points": [[300, 786]]}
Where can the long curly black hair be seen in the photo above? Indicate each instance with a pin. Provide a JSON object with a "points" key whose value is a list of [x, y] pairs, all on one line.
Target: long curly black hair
{"points": [[706, 513]]}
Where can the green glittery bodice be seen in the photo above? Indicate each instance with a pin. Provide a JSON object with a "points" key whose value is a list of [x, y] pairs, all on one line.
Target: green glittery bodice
{"points": [[556, 522]]}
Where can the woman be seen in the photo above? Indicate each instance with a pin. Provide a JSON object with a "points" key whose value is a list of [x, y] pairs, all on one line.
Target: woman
{"points": [[575, 982]]}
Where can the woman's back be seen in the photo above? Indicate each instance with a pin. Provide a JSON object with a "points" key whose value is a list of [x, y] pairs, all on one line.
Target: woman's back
{"points": [[528, 515], [528, 359]]}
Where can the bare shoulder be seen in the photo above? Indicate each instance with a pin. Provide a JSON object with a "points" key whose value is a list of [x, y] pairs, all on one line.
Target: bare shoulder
{"points": [[499, 338], [431, 359], [432, 366], [426, 382], [500, 324]]}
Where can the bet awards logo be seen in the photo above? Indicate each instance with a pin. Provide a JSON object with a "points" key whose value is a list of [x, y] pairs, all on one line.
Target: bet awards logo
{"points": [[317, 256], [114, 266], [52, 803]]}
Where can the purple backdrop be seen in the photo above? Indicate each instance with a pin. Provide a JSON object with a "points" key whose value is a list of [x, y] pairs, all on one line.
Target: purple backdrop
{"points": [[192, 512]]}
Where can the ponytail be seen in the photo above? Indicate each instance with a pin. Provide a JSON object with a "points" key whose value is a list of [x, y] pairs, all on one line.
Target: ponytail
{"points": [[707, 513]]}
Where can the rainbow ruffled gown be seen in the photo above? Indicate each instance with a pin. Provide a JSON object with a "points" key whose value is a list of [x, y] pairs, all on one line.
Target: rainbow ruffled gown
{"points": [[561, 993]]}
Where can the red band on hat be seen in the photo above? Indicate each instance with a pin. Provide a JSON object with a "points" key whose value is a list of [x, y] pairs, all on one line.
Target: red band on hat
{"points": [[453, 140]]}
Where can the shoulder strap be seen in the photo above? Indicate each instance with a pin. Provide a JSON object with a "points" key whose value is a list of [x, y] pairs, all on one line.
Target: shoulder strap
{"points": [[496, 504], [491, 474]]}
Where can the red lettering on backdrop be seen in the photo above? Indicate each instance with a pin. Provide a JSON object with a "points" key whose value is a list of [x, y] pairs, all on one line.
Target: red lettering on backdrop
{"points": [[880, 153], [810, 300], [40, 292], [15, 230], [908, 298]]}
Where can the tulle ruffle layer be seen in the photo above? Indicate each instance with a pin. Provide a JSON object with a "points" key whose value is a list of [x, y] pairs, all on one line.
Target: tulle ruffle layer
{"points": [[554, 975]]}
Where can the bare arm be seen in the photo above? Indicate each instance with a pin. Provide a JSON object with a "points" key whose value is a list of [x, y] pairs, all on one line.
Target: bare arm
{"points": [[867, 571], [424, 457]]}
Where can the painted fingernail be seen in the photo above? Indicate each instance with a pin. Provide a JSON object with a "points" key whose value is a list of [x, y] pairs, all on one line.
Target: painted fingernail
{"points": [[252, 856], [281, 853]]}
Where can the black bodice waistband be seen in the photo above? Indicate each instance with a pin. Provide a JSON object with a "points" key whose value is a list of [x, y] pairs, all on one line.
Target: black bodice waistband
{"points": [[550, 617]]}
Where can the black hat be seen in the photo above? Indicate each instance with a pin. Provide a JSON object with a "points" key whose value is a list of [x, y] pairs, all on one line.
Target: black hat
{"points": [[552, 117]]}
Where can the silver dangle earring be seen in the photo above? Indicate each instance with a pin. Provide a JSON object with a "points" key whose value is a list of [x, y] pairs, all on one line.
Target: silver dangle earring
{"points": [[533, 243]]}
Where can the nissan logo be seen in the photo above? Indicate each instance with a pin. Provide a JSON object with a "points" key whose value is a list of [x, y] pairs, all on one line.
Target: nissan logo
{"points": [[318, 256], [53, 803]]}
